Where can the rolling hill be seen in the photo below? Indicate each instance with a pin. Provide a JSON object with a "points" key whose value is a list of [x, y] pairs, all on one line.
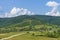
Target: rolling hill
{"points": [[46, 25], [27, 20]]}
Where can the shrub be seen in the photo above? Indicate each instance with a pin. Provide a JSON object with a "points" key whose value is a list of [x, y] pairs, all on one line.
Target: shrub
{"points": [[33, 34], [28, 32], [0, 38], [52, 34], [40, 35]]}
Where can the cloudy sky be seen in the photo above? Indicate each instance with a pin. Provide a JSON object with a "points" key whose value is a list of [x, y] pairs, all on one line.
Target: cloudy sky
{"points": [[12, 8]]}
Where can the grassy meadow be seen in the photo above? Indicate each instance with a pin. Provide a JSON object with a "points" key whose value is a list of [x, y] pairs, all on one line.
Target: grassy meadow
{"points": [[27, 36]]}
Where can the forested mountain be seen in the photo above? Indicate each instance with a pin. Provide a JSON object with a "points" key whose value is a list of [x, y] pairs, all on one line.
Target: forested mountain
{"points": [[46, 24], [27, 20]]}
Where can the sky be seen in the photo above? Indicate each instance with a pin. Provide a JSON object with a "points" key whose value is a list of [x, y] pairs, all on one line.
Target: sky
{"points": [[12, 8]]}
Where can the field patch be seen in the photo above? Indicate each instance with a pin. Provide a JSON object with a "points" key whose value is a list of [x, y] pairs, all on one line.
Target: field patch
{"points": [[29, 36]]}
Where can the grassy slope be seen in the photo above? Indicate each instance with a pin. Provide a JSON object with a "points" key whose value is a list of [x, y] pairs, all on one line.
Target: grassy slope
{"points": [[30, 37], [9, 34]]}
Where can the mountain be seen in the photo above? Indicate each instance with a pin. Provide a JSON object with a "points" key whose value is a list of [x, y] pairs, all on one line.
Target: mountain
{"points": [[30, 23], [25, 20]]}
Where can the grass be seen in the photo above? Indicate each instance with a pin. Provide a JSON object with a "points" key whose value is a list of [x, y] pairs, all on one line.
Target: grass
{"points": [[9, 34], [28, 36]]}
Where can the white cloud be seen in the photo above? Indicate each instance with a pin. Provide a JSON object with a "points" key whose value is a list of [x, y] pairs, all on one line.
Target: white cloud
{"points": [[52, 4], [54, 11], [16, 12]]}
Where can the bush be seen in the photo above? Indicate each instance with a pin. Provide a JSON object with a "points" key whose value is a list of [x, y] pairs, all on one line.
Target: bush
{"points": [[40, 35], [33, 34], [52, 34], [0, 38], [28, 32]]}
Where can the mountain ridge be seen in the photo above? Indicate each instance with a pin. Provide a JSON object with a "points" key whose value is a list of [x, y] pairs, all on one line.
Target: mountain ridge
{"points": [[53, 20]]}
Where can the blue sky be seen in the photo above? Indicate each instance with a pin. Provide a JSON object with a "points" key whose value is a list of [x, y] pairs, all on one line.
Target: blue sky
{"points": [[36, 6]]}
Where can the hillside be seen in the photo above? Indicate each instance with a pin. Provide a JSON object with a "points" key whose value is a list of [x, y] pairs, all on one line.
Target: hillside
{"points": [[46, 25], [26, 20]]}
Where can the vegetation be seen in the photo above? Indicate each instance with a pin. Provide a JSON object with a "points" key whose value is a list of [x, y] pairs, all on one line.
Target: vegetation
{"points": [[47, 26], [29, 36]]}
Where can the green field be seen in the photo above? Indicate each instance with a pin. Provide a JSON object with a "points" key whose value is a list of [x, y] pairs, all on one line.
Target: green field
{"points": [[26, 36], [5, 35]]}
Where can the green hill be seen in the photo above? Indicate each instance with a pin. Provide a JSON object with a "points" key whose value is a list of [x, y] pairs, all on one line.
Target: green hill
{"points": [[25, 20], [49, 25]]}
